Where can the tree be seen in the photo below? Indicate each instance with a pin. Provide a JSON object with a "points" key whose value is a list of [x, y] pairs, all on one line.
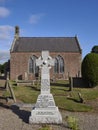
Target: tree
{"points": [[94, 49], [3, 67], [90, 69]]}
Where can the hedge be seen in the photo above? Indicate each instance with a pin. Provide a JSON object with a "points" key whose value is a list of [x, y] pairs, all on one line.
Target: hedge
{"points": [[90, 69]]}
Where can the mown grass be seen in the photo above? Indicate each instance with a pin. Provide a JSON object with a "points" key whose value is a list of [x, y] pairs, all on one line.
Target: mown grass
{"points": [[26, 94], [63, 98], [71, 105], [89, 93]]}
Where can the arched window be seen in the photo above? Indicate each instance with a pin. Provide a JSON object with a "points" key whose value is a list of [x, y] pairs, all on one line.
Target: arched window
{"points": [[59, 65], [56, 65], [32, 65]]}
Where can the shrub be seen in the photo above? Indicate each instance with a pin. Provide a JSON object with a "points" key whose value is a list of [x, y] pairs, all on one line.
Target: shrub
{"points": [[90, 69], [72, 123]]}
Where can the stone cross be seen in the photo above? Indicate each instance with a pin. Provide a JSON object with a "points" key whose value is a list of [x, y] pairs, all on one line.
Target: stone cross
{"points": [[45, 62], [45, 110]]}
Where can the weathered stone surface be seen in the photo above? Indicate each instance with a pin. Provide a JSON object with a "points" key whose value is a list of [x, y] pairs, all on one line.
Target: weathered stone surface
{"points": [[46, 115], [45, 101], [45, 62], [45, 110]]}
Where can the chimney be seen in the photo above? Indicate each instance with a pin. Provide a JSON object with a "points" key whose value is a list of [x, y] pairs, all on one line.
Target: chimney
{"points": [[16, 32]]}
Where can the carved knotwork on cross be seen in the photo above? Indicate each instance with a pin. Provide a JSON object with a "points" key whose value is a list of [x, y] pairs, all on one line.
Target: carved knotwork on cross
{"points": [[45, 62]]}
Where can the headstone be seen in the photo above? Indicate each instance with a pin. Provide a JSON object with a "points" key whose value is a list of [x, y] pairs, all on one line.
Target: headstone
{"points": [[16, 78], [26, 76], [71, 84], [45, 110]]}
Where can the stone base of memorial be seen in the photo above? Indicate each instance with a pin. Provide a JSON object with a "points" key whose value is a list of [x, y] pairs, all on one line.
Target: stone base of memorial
{"points": [[45, 111]]}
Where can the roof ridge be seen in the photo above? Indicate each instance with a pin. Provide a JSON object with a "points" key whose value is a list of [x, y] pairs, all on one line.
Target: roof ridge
{"points": [[47, 37]]}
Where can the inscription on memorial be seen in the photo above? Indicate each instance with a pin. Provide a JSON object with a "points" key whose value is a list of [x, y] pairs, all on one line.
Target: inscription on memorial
{"points": [[44, 113], [45, 101]]}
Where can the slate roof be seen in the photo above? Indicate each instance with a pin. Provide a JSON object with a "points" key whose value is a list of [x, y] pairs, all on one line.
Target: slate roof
{"points": [[52, 44]]}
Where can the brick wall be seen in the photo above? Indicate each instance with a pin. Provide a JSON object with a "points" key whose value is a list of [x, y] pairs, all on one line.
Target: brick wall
{"points": [[19, 65]]}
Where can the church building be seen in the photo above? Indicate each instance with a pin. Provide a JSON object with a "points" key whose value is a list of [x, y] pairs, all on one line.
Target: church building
{"points": [[25, 50]]}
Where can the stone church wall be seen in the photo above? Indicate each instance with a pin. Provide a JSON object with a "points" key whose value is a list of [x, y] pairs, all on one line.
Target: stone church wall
{"points": [[19, 65]]}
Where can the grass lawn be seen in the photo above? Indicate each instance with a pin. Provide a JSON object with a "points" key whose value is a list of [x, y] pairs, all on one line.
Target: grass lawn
{"points": [[60, 92]]}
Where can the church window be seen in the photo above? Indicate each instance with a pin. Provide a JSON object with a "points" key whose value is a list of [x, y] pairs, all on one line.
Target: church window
{"points": [[59, 65], [56, 65], [32, 65]]}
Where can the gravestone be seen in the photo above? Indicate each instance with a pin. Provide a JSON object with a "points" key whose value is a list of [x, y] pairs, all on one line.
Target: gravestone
{"points": [[45, 110], [26, 76]]}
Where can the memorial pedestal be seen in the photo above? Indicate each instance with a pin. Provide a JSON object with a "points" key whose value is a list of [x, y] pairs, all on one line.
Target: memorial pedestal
{"points": [[45, 111]]}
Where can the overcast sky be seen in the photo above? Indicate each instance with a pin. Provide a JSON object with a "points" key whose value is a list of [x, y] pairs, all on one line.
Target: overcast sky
{"points": [[45, 18]]}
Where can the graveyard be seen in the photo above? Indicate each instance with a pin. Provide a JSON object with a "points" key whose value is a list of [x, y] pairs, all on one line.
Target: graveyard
{"points": [[48, 65], [67, 101], [48, 104]]}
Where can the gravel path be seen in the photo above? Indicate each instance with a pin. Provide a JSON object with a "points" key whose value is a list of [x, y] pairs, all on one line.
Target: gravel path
{"points": [[87, 121], [17, 119]]}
